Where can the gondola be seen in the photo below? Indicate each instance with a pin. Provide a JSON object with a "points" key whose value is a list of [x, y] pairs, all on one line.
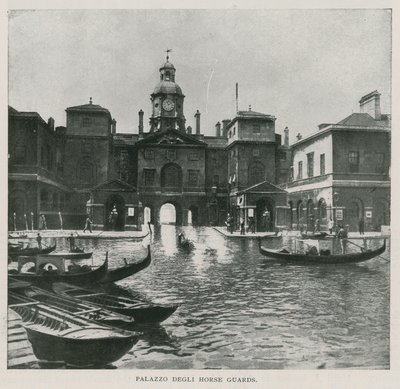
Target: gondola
{"points": [[184, 243], [142, 312], [69, 255], [286, 256], [42, 273], [59, 336], [315, 235], [30, 251], [127, 270]]}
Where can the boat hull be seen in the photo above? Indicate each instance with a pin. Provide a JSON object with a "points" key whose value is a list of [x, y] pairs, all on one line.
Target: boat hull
{"points": [[147, 315], [30, 252], [323, 259], [79, 352]]}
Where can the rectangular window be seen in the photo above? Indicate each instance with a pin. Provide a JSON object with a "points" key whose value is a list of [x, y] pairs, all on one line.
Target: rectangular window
{"points": [[291, 174], [149, 154], [380, 163], [193, 177], [300, 170], [354, 161], [20, 154], [282, 156], [310, 165], [87, 148], [171, 155], [256, 152], [322, 164], [149, 177], [86, 122], [193, 156], [123, 159], [256, 129]]}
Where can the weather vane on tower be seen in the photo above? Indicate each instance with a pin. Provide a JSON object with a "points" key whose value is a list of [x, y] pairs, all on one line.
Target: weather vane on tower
{"points": [[168, 51]]}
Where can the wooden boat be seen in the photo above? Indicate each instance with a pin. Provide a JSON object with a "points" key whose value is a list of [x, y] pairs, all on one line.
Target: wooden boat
{"points": [[184, 243], [286, 256], [30, 251], [142, 312], [17, 236], [57, 335], [127, 270], [43, 271], [315, 235], [105, 235], [68, 255], [80, 308]]}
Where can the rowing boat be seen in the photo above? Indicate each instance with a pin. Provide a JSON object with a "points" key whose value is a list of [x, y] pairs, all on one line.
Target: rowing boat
{"points": [[48, 270], [68, 255], [142, 312], [286, 256], [127, 270], [30, 251], [57, 335]]}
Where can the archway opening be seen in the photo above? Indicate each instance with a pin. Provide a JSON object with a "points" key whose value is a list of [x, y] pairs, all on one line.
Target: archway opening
{"points": [[310, 216], [168, 214], [300, 215], [265, 215], [114, 213], [193, 215]]}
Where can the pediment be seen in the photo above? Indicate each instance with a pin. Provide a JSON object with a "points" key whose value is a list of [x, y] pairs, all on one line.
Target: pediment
{"points": [[170, 137], [114, 185], [263, 187]]}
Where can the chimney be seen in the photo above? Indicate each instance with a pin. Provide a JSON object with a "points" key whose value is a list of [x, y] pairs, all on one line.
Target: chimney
{"points": [[50, 123], [225, 123], [189, 130], [114, 126], [286, 137], [371, 104], [141, 122], [197, 116], [218, 129]]}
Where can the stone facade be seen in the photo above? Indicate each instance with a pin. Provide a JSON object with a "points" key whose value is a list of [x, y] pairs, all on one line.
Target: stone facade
{"points": [[59, 175]]}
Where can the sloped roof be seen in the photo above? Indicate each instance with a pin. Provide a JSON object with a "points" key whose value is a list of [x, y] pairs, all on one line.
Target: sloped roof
{"points": [[254, 114], [359, 119], [170, 136], [89, 108], [12, 111], [114, 185], [262, 187]]}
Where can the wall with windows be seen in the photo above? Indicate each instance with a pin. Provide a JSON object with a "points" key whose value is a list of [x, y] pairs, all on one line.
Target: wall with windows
{"points": [[364, 153], [153, 161], [312, 158], [88, 124], [253, 130]]}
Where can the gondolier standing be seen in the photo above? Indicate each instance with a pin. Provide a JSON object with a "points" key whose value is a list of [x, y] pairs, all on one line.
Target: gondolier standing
{"points": [[71, 240], [342, 236], [39, 241]]}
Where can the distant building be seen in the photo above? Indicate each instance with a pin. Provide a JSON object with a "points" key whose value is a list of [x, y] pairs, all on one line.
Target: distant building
{"points": [[342, 171]]}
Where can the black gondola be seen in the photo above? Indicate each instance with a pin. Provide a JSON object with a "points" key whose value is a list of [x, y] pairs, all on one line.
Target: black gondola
{"points": [[15, 252], [129, 269], [286, 256]]}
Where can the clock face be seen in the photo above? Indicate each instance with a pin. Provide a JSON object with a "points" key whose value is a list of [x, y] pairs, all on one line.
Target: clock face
{"points": [[168, 105]]}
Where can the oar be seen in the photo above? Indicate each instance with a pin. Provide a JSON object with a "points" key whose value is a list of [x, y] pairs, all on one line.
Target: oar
{"points": [[363, 249]]}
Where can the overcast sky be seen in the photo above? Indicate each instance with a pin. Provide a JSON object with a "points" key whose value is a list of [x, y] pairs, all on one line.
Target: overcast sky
{"points": [[303, 66]]}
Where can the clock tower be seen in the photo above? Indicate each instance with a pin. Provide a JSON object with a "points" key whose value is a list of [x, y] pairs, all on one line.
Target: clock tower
{"points": [[167, 101]]}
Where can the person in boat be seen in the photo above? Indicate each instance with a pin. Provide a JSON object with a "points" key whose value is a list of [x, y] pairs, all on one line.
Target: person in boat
{"points": [[88, 224], [331, 224], [342, 236], [181, 238], [39, 241], [71, 240]]}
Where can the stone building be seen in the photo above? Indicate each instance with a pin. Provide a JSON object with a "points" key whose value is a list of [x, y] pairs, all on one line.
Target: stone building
{"points": [[59, 175], [342, 171]]}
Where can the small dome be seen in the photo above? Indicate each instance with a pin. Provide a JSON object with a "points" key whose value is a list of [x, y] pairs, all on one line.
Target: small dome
{"points": [[168, 87], [167, 65]]}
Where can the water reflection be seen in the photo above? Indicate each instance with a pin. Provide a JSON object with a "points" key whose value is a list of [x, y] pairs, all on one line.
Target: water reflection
{"points": [[241, 310]]}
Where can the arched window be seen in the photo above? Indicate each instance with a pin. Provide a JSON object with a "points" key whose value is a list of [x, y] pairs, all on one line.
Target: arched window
{"points": [[171, 177], [256, 173], [322, 209]]}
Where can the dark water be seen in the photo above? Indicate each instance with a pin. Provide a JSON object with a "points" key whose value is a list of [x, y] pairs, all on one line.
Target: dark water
{"points": [[242, 311]]}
